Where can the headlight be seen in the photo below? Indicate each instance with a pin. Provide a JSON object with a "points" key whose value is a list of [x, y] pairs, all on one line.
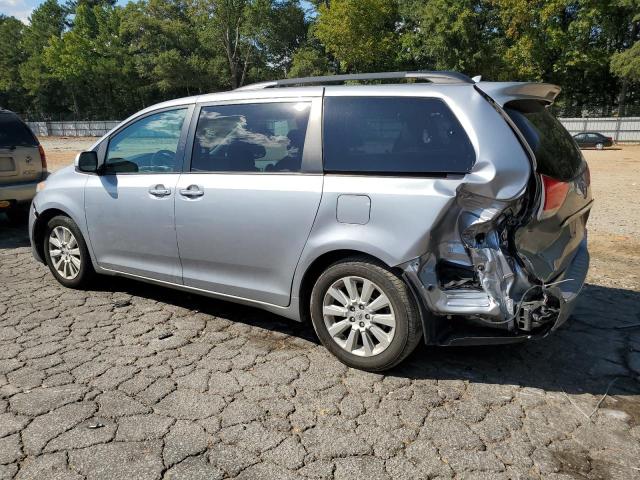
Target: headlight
{"points": [[41, 186]]}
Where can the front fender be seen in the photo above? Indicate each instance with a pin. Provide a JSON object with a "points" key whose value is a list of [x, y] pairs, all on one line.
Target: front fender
{"points": [[64, 192]]}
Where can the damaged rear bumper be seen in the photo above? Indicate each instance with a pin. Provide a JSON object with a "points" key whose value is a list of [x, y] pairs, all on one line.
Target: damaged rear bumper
{"points": [[476, 317], [573, 280]]}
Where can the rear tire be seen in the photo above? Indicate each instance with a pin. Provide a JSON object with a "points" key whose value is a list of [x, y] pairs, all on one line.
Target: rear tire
{"points": [[599, 146], [365, 314], [66, 253]]}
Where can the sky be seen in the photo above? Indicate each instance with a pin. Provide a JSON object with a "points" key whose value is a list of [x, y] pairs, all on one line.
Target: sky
{"points": [[21, 9]]}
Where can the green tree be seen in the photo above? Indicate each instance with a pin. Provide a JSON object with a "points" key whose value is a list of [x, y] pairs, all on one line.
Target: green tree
{"points": [[256, 38], [279, 29], [626, 64], [11, 56], [309, 61], [224, 26], [360, 34], [97, 59], [568, 42], [69, 58], [459, 35], [165, 52], [72, 5], [88, 59], [46, 21], [45, 93]]}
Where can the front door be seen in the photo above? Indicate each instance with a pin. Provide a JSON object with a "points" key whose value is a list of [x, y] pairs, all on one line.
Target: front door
{"points": [[246, 206], [130, 206]]}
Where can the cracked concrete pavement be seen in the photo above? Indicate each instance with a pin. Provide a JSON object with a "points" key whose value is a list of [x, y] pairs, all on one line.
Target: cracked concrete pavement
{"points": [[89, 390], [139, 382]]}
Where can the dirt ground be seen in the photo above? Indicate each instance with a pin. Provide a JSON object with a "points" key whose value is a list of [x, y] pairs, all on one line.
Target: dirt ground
{"points": [[61, 151], [614, 224]]}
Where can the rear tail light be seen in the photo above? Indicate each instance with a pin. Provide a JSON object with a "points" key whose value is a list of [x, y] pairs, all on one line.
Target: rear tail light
{"points": [[555, 192], [43, 158]]}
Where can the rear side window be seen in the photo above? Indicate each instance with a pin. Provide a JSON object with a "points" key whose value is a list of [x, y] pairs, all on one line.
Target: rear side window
{"points": [[261, 137], [14, 133], [394, 135], [556, 152]]}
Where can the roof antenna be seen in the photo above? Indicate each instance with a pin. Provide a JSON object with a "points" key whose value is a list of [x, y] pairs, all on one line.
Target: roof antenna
{"points": [[477, 78]]}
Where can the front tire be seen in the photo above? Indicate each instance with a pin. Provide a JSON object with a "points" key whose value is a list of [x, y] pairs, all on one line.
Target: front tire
{"points": [[365, 314], [66, 253]]}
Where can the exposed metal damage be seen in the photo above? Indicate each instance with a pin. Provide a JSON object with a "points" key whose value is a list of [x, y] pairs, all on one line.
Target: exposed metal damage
{"points": [[473, 276]]}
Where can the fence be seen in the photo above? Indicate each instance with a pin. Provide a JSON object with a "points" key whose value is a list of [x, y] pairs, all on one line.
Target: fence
{"points": [[622, 129], [72, 129], [595, 111]]}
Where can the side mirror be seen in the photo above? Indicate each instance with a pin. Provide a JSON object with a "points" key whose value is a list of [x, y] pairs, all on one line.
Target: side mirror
{"points": [[87, 162]]}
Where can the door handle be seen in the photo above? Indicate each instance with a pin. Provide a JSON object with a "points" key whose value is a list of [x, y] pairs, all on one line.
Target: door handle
{"points": [[159, 190], [192, 191]]}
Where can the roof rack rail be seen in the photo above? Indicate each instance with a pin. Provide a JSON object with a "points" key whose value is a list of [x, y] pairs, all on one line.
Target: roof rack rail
{"points": [[434, 77]]}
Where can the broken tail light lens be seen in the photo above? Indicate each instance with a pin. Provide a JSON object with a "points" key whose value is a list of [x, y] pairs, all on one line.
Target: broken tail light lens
{"points": [[555, 192], [43, 157]]}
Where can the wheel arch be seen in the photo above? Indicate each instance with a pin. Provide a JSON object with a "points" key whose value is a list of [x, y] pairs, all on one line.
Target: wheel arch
{"points": [[40, 225], [319, 265]]}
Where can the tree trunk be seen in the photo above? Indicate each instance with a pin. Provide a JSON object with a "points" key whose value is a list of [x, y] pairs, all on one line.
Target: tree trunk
{"points": [[232, 59], [234, 75], [623, 96], [75, 102]]}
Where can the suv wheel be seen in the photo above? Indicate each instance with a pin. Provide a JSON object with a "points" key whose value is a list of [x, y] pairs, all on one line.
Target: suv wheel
{"points": [[365, 315], [66, 253]]}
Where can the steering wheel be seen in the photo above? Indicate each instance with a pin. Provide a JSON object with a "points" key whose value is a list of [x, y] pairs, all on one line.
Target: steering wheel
{"points": [[160, 158]]}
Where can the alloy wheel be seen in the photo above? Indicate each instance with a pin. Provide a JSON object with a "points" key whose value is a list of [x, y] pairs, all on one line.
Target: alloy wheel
{"points": [[359, 316], [64, 252]]}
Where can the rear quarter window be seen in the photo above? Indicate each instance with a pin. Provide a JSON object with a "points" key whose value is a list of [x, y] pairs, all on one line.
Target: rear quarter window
{"points": [[14, 133], [556, 152], [397, 135]]}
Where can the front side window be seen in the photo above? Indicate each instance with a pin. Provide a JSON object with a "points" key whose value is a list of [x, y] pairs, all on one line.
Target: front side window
{"points": [[393, 135], [148, 145], [264, 137]]}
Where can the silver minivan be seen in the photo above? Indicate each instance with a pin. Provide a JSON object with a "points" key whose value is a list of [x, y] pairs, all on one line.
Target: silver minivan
{"points": [[440, 209]]}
